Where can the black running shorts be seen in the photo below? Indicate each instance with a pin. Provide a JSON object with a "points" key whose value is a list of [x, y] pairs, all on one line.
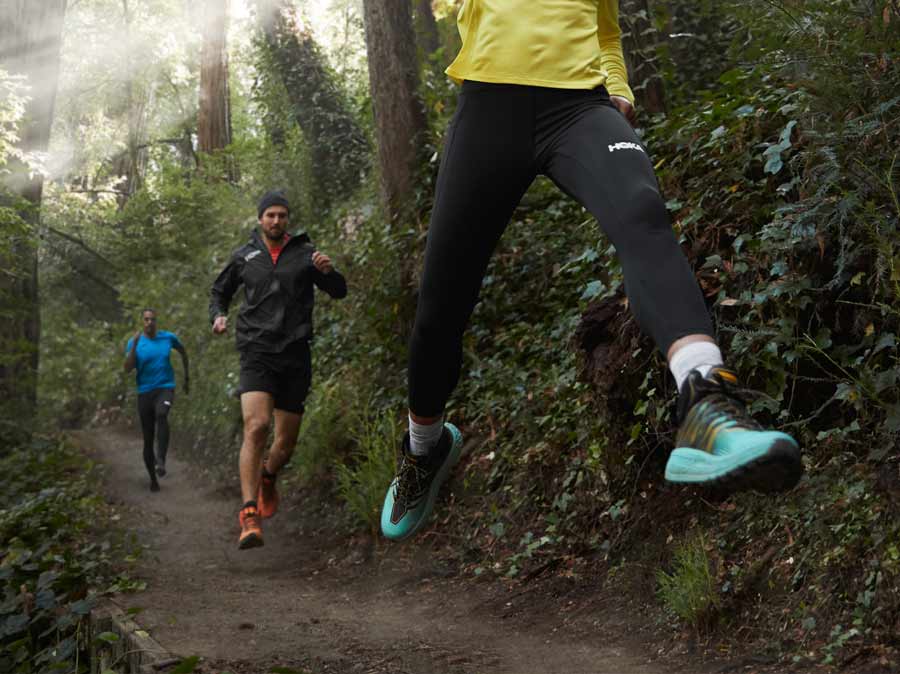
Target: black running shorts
{"points": [[286, 376]]}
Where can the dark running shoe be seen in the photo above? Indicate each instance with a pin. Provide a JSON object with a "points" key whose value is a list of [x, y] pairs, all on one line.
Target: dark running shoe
{"points": [[160, 469], [154, 485], [410, 498], [719, 444]]}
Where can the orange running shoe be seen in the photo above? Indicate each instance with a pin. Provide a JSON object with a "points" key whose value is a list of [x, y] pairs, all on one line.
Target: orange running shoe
{"points": [[267, 497], [251, 528]]}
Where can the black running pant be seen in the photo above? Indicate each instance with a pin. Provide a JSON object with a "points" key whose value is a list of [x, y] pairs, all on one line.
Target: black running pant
{"points": [[153, 409], [501, 137]]}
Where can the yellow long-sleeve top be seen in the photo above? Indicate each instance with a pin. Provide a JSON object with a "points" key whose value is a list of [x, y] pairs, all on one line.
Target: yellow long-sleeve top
{"points": [[563, 44]]}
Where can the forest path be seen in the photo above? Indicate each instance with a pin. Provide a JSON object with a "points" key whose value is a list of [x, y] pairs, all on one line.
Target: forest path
{"points": [[304, 603]]}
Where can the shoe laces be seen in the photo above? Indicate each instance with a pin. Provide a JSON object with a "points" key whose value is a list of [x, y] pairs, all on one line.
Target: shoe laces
{"points": [[412, 480], [250, 516]]}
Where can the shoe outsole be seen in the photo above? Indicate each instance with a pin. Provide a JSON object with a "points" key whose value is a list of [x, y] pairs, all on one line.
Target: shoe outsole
{"points": [[443, 473], [250, 541], [779, 469]]}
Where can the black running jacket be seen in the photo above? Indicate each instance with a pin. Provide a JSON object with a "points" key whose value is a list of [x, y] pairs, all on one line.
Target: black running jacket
{"points": [[278, 298]]}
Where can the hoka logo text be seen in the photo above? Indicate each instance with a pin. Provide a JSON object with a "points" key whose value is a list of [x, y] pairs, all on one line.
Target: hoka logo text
{"points": [[625, 146]]}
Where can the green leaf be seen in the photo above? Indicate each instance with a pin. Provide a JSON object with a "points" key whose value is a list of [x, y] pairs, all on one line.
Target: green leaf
{"points": [[82, 607], [886, 341], [785, 139], [674, 205], [187, 666], [712, 262], [774, 164], [885, 380], [592, 289], [107, 637], [892, 423]]}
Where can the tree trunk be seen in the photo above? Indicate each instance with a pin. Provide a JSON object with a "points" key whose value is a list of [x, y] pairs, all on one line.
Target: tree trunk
{"points": [[136, 102], [426, 27], [394, 81], [214, 119], [338, 146], [31, 36], [639, 40]]}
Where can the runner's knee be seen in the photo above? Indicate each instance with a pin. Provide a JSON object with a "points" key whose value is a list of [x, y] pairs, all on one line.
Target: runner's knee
{"points": [[256, 428]]}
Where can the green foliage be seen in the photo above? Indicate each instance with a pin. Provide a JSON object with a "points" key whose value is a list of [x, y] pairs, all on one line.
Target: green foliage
{"points": [[334, 410], [296, 79], [363, 481], [690, 591], [58, 556], [17, 244], [777, 159]]}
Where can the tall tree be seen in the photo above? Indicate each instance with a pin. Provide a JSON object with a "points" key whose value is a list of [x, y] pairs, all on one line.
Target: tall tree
{"points": [[31, 36], [214, 119], [339, 147], [639, 40], [394, 82], [426, 27]]}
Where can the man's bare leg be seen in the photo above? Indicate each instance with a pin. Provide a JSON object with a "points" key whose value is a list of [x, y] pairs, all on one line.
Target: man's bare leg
{"points": [[287, 428], [256, 407]]}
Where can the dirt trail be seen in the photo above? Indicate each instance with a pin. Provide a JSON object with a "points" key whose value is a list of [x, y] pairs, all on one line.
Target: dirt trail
{"points": [[306, 603]]}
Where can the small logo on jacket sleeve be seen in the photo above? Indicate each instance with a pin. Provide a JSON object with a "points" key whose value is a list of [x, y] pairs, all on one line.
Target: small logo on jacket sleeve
{"points": [[251, 255]]}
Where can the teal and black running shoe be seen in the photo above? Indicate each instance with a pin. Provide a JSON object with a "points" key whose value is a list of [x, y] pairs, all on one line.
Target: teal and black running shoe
{"points": [[410, 498], [719, 444]]}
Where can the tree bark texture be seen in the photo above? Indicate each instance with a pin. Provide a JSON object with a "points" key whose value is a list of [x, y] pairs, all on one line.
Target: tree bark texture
{"points": [[30, 41], [214, 119], [394, 81], [639, 40], [338, 146]]}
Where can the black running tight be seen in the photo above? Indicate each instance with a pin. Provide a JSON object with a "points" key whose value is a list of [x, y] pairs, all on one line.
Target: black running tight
{"points": [[153, 409], [501, 137]]}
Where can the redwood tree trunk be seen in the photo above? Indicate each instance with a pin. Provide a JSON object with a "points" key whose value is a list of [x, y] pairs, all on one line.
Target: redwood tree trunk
{"points": [[214, 119], [394, 80], [30, 40]]}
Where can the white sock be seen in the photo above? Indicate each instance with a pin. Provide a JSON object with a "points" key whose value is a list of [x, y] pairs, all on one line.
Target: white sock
{"points": [[423, 437], [701, 356]]}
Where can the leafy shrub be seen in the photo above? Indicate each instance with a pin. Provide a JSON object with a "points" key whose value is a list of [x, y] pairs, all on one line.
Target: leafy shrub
{"points": [[57, 557], [332, 416], [363, 481], [689, 591]]}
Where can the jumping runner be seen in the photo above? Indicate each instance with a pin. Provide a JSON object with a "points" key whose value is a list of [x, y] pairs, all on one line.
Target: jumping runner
{"points": [[545, 91], [148, 352], [278, 271]]}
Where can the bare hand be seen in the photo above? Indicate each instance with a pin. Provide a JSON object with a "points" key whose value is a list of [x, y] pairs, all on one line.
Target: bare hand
{"points": [[624, 106], [220, 325], [322, 262]]}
